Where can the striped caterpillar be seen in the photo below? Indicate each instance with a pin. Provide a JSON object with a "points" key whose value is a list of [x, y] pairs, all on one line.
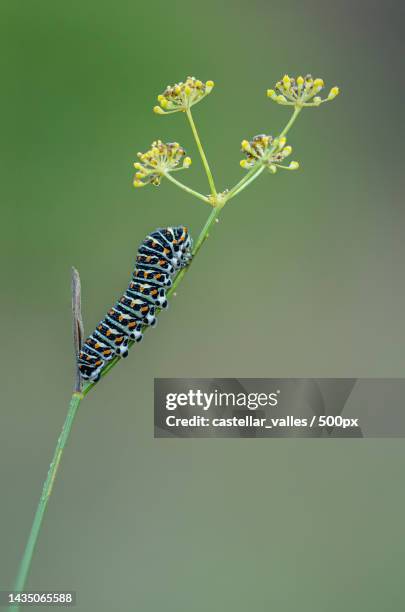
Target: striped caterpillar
{"points": [[159, 258]]}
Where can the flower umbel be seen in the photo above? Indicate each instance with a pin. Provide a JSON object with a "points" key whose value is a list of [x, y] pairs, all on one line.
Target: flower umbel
{"points": [[181, 96], [267, 151], [301, 91], [161, 159]]}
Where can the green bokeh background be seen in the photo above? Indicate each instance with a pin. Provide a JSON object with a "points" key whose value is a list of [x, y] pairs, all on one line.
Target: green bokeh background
{"points": [[302, 277]]}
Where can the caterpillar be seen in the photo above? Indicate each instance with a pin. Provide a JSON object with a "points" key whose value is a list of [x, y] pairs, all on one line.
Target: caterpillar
{"points": [[159, 258]]}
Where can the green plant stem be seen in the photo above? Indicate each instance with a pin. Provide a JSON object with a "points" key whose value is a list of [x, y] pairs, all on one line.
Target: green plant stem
{"points": [[198, 195], [258, 168], [67, 427], [202, 154], [46, 493], [77, 397], [291, 122], [251, 178]]}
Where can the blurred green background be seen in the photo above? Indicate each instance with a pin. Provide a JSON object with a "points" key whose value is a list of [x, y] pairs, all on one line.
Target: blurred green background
{"points": [[315, 265]]}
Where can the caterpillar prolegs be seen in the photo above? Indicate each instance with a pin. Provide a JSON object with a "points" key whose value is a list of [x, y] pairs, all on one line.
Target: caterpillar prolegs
{"points": [[159, 258]]}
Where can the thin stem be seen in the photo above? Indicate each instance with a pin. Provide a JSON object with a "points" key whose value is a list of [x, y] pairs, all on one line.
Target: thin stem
{"points": [[204, 232], [67, 426], [188, 189], [252, 178], [78, 333], [291, 122], [200, 241], [46, 492], [258, 168], [202, 154]]}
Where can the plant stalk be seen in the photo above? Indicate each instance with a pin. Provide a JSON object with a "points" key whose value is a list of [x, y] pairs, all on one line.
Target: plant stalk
{"points": [[78, 333], [46, 493], [198, 195], [202, 154]]}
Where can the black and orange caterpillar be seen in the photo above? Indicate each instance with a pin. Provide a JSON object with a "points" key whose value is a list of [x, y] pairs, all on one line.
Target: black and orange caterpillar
{"points": [[159, 258]]}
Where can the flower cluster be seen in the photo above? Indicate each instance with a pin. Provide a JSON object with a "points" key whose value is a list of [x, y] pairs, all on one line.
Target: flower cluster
{"points": [[181, 96], [300, 91], [268, 151], [158, 161]]}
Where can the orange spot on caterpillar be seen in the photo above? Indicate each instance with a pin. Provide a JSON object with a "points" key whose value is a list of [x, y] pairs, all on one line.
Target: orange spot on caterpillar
{"points": [[144, 309]]}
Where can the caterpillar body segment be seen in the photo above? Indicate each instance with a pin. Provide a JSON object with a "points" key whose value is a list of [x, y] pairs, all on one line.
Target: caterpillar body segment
{"points": [[161, 255]]}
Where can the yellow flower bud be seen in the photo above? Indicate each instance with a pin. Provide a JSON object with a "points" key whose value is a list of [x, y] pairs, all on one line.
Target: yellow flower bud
{"points": [[294, 165], [273, 169], [300, 81], [271, 93], [287, 151], [209, 84], [281, 142], [187, 90], [286, 81], [281, 99], [245, 145], [317, 100], [138, 184], [158, 110], [333, 93], [187, 162], [318, 83], [243, 163]]}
